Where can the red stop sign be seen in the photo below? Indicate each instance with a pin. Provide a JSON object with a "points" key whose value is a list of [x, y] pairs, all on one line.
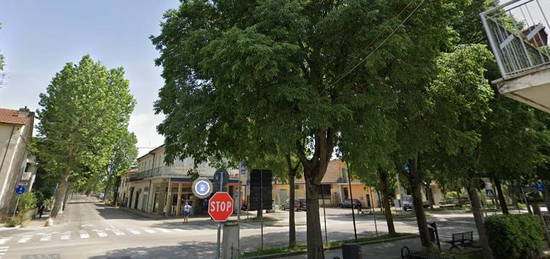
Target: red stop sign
{"points": [[220, 206]]}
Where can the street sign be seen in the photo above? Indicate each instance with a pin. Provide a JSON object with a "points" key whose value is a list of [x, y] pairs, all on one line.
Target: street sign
{"points": [[202, 187], [260, 189], [407, 167], [223, 174], [242, 169], [490, 192], [220, 206], [540, 187], [20, 189]]}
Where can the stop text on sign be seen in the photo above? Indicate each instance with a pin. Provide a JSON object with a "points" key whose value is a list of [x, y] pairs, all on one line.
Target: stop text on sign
{"points": [[221, 206]]}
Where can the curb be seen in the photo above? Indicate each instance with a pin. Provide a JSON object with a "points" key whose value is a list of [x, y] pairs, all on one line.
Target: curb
{"points": [[280, 255]]}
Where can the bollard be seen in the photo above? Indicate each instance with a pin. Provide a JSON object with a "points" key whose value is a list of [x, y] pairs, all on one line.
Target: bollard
{"points": [[230, 244], [351, 251]]}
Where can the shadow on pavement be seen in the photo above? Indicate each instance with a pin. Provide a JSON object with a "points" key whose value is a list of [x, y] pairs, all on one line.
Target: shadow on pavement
{"points": [[116, 213], [184, 250]]}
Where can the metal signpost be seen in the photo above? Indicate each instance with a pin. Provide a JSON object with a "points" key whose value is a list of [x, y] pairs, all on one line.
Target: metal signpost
{"points": [[220, 205], [352, 203], [20, 189]]}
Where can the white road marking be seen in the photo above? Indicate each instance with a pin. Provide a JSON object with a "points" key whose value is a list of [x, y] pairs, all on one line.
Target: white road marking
{"points": [[162, 230], [24, 239], [100, 233], [148, 230], [4, 248], [116, 231], [4, 240], [84, 234], [135, 232], [46, 237], [179, 229], [66, 235]]}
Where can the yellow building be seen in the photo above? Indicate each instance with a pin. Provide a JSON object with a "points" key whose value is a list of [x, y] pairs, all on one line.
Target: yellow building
{"points": [[335, 180]]}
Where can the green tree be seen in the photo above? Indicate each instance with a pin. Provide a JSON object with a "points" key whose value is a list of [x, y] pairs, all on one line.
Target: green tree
{"points": [[83, 110], [461, 97], [122, 158], [299, 74]]}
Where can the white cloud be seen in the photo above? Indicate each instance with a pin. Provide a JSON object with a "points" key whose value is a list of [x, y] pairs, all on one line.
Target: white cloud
{"points": [[144, 125]]}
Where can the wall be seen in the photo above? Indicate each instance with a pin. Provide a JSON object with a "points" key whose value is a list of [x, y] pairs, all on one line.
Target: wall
{"points": [[13, 164]]}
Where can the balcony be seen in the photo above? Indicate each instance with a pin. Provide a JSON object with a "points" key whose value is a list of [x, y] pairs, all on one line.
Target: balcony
{"points": [[516, 31], [157, 173]]}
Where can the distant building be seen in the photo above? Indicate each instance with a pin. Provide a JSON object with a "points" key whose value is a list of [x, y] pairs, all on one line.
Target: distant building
{"points": [[17, 164], [157, 188], [336, 189]]}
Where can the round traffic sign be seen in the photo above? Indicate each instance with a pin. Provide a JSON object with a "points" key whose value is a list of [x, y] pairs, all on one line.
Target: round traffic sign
{"points": [[202, 187], [220, 206], [20, 189]]}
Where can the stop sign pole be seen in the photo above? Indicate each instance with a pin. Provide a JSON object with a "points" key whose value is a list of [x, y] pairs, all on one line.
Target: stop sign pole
{"points": [[220, 206]]}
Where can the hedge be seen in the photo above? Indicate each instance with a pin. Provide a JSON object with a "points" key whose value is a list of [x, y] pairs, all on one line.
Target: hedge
{"points": [[515, 236]]}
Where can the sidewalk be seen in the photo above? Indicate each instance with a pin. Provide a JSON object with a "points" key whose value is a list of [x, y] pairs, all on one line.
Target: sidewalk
{"points": [[384, 250]]}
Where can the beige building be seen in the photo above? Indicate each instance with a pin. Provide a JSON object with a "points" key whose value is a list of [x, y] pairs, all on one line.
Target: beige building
{"points": [[336, 180], [16, 163], [157, 188], [336, 188]]}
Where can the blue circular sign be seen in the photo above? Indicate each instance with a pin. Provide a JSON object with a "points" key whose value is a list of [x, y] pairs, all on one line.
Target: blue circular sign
{"points": [[20, 189], [202, 187]]}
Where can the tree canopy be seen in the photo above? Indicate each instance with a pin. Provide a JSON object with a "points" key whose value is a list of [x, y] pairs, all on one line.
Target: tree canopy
{"points": [[84, 110]]}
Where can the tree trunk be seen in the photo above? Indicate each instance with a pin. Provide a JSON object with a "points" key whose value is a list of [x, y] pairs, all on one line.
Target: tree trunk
{"points": [[415, 181], [60, 195], [478, 217], [547, 196], [429, 195], [314, 235], [291, 212], [458, 196], [259, 213], [67, 192], [501, 198], [385, 188], [115, 191]]}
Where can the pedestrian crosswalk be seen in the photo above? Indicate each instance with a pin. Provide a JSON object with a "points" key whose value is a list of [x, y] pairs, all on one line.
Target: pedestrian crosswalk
{"points": [[3, 251], [89, 232]]}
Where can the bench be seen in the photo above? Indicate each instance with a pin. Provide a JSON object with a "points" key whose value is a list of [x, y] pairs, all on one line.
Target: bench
{"points": [[461, 239]]}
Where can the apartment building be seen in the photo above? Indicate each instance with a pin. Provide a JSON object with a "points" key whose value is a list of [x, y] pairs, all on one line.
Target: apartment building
{"points": [[17, 164], [158, 188]]}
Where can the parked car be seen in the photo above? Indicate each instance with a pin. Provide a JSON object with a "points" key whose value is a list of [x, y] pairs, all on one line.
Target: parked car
{"points": [[347, 203], [299, 204]]}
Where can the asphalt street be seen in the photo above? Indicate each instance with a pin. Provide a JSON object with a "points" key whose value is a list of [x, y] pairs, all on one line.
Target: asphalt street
{"points": [[89, 229]]}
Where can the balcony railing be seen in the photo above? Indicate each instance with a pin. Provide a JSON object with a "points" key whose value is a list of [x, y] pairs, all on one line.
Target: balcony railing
{"points": [[517, 34], [157, 172]]}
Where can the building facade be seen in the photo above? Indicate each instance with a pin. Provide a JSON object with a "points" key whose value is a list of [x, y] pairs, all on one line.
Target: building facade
{"points": [[336, 189], [17, 164], [157, 188]]}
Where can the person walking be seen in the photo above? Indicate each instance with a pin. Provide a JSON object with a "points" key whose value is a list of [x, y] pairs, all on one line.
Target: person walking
{"points": [[186, 212]]}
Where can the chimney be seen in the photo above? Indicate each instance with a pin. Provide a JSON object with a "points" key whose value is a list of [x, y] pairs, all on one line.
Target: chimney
{"points": [[24, 112]]}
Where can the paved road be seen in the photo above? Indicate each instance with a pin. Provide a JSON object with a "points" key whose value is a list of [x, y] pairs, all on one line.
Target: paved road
{"points": [[91, 230]]}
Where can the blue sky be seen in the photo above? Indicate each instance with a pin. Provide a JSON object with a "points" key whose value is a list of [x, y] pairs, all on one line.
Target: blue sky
{"points": [[38, 37]]}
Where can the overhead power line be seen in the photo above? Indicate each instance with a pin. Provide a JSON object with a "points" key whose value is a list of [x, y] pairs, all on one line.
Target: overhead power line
{"points": [[382, 43]]}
